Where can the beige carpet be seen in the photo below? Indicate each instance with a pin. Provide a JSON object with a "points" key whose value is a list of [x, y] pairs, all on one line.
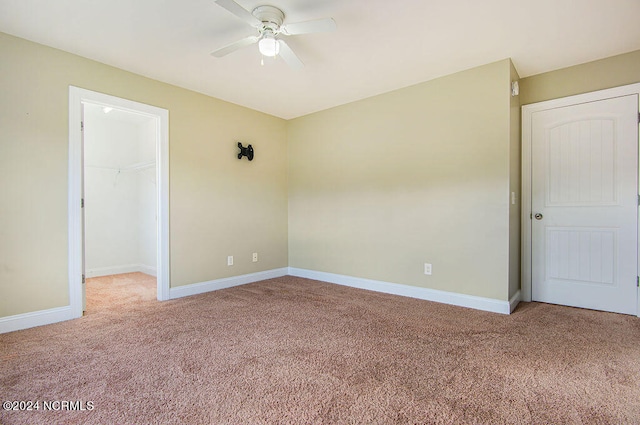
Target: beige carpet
{"points": [[297, 351], [117, 293]]}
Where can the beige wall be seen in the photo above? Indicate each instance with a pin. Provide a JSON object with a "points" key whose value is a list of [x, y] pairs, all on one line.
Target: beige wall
{"points": [[375, 188], [380, 186], [219, 205], [598, 75]]}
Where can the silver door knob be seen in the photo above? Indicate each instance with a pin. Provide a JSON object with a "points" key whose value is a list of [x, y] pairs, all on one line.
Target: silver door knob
{"points": [[538, 216]]}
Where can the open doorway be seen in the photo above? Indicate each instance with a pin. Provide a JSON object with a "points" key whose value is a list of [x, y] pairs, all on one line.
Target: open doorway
{"points": [[120, 198], [121, 170]]}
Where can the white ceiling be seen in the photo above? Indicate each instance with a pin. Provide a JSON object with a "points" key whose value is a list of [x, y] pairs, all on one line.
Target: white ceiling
{"points": [[380, 45]]}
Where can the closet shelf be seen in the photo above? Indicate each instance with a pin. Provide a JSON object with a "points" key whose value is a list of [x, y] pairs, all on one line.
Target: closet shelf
{"points": [[138, 166]]}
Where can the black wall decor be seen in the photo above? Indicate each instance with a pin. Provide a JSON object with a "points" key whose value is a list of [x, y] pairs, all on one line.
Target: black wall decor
{"points": [[248, 152]]}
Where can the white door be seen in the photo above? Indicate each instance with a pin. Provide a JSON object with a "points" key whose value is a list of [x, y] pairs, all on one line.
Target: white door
{"points": [[585, 205]]}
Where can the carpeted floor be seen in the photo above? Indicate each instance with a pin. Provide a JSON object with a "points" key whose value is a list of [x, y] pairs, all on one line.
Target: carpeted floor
{"points": [[117, 293], [292, 350]]}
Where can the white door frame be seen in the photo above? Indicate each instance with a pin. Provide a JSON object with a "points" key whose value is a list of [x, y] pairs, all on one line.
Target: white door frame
{"points": [[77, 97], [527, 114]]}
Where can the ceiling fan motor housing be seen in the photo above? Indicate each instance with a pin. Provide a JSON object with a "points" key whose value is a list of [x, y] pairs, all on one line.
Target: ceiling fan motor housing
{"points": [[271, 17]]}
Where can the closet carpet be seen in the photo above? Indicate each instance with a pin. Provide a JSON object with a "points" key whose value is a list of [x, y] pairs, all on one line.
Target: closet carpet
{"points": [[297, 351]]}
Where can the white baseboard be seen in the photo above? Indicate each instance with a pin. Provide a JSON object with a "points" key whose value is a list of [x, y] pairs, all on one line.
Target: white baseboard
{"points": [[514, 301], [36, 318], [146, 269], [228, 282], [127, 268], [54, 315], [461, 300]]}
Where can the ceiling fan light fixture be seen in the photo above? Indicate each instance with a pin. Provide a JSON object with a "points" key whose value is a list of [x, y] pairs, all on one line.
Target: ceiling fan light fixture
{"points": [[268, 45], [269, 21]]}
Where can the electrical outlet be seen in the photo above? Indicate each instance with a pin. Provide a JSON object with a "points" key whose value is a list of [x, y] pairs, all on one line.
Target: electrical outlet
{"points": [[230, 260], [427, 268], [255, 257]]}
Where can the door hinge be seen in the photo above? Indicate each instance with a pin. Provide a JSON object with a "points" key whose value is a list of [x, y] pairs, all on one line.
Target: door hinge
{"points": [[84, 280], [82, 203], [638, 281], [81, 125]]}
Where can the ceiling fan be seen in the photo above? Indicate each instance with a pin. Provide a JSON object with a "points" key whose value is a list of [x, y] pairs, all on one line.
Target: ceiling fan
{"points": [[269, 21]]}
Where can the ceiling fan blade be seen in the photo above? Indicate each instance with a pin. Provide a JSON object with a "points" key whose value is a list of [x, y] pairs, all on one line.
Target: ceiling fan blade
{"points": [[289, 57], [308, 27], [235, 46], [240, 12]]}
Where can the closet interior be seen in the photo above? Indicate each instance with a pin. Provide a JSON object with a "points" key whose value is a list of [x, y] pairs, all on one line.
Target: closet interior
{"points": [[119, 192]]}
